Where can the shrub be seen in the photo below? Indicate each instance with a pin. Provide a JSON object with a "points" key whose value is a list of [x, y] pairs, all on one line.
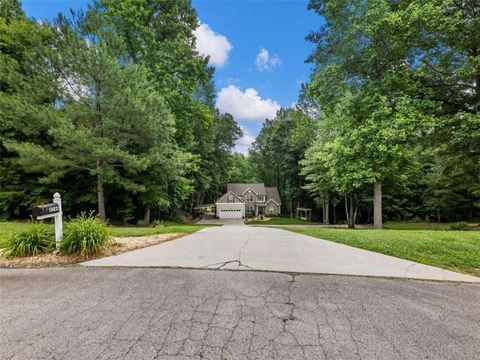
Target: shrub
{"points": [[37, 238], [462, 225], [84, 235], [157, 223]]}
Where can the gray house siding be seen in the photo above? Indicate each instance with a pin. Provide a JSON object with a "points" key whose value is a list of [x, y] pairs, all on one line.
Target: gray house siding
{"points": [[256, 197], [272, 209]]}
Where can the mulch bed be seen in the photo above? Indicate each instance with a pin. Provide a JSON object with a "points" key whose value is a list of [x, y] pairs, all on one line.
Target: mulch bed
{"points": [[119, 245]]}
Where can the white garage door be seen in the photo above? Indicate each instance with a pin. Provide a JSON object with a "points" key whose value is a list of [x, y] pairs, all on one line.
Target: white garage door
{"points": [[230, 214]]}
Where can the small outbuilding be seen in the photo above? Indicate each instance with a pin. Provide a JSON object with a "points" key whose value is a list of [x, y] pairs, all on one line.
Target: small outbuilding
{"points": [[304, 214]]}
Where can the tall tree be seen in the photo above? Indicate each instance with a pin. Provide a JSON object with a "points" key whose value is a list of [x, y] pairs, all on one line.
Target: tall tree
{"points": [[241, 169], [448, 55], [160, 35], [366, 45], [277, 151], [109, 110], [27, 94]]}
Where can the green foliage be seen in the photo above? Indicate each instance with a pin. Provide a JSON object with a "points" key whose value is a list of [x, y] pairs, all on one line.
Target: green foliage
{"points": [[113, 108], [35, 239], [462, 225], [393, 80], [241, 169], [156, 38], [277, 150], [27, 90], [84, 235]]}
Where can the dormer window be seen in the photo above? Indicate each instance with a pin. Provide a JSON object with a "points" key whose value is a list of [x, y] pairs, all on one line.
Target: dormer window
{"points": [[229, 199], [260, 197]]}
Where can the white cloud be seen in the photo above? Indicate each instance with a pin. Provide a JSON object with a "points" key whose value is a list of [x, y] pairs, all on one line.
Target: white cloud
{"points": [[246, 105], [266, 62], [209, 43], [245, 142]]}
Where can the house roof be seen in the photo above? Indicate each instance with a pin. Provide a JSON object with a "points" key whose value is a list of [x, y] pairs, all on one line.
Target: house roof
{"points": [[229, 192], [272, 193], [238, 188]]}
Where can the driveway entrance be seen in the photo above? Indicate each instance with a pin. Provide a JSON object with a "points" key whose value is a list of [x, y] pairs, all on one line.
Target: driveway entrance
{"points": [[245, 247]]}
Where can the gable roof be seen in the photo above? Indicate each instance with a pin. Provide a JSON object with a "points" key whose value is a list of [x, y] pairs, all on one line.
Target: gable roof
{"points": [[238, 188], [272, 193], [227, 193]]}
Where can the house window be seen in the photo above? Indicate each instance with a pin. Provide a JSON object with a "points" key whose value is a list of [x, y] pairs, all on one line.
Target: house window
{"points": [[260, 197], [270, 211], [249, 209], [250, 198]]}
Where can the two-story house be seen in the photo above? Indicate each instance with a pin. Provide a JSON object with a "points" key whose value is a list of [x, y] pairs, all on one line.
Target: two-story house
{"points": [[243, 200]]}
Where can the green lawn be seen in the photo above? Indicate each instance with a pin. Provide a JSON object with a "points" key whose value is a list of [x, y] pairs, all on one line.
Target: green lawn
{"points": [[423, 226], [145, 231], [8, 228], [454, 250], [278, 221]]}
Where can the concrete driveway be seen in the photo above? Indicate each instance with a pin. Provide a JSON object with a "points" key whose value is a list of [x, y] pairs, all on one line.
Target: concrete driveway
{"points": [[243, 247]]}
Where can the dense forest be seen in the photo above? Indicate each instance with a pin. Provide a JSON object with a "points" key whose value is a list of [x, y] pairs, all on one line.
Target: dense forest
{"points": [[388, 126], [114, 108]]}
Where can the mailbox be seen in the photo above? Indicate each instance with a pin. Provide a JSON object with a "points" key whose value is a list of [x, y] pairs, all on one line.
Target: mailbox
{"points": [[47, 209]]}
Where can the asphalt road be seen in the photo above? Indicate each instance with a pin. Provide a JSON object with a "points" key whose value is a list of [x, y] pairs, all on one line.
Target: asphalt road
{"points": [[139, 313]]}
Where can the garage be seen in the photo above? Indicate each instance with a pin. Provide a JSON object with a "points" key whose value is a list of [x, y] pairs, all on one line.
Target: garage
{"points": [[231, 211]]}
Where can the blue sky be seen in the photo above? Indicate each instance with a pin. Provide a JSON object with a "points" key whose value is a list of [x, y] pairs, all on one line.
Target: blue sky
{"points": [[257, 47]]}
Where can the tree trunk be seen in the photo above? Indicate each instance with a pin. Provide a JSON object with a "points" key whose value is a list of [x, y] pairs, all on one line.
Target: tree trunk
{"points": [[355, 209], [100, 189], [334, 213], [146, 216], [326, 212], [439, 218], [346, 210], [377, 205], [351, 210], [471, 207], [351, 217], [100, 193], [323, 212]]}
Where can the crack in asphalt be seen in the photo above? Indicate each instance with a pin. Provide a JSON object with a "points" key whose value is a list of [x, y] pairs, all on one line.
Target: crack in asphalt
{"points": [[157, 314]]}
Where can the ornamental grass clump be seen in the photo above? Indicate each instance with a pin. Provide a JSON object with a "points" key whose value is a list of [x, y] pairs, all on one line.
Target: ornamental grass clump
{"points": [[461, 226], [84, 235], [36, 239]]}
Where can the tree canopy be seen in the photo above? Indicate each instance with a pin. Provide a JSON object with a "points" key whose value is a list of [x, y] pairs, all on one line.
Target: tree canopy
{"points": [[115, 108]]}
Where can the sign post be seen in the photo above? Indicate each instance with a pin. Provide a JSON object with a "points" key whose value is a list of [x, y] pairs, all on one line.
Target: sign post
{"points": [[52, 210], [58, 220]]}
